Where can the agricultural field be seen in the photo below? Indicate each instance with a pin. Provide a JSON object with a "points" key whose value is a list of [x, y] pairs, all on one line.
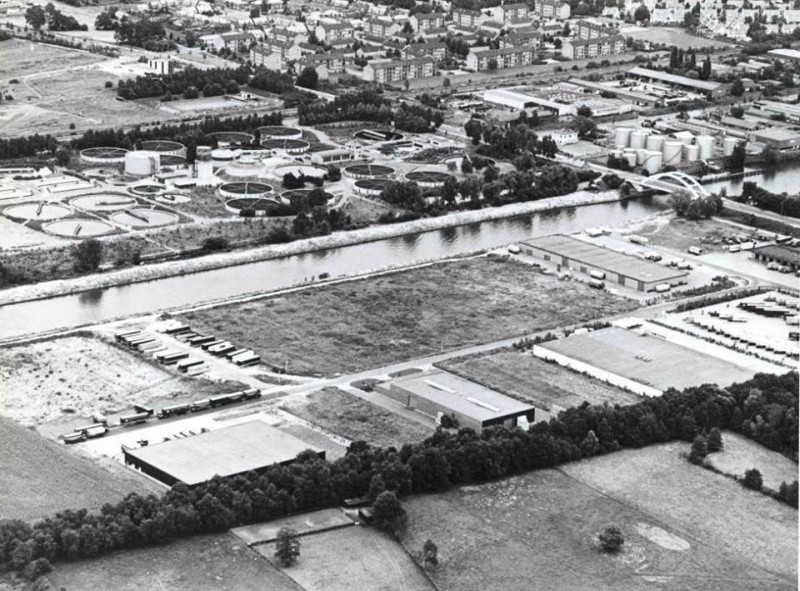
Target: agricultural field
{"points": [[39, 477], [542, 527], [203, 563], [61, 379], [740, 454], [349, 416], [528, 378], [352, 558], [364, 324]]}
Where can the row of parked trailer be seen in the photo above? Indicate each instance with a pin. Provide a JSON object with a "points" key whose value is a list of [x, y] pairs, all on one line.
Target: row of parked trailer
{"points": [[215, 346], [145, 413]]}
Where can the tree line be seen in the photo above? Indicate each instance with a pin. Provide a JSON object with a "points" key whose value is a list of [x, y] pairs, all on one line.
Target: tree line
{"points": [[781, 203], [26, 146], [763, 409], [181, 81]]}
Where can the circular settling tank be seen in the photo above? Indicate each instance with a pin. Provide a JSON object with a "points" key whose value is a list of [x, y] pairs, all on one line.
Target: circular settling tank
{"points": [[232, 138], [39, 211], [428, 178], [104, 155], [293, 194], [141, 217], [147, 190], [378, 135], [368, 171], [173, 198], [164, 147], [260, 206], [290, 146], [279, 132], [371, 187], [299, 170], [73, 228], [103, 202], [245, 189]]}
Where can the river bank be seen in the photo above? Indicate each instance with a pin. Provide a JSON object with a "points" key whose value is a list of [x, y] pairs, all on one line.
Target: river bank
{"points": [[156, 271]]}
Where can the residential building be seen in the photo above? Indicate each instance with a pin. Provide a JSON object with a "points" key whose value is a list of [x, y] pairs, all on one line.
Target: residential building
{"points": [[513, 13], [552, 9], [262, 55], [238, 41], [480, 59], [562, 137], [585, 29], [381, 27], [388, 71], [424, 21], [435, 49], [577, 49], [330, 32], [465, 17]]}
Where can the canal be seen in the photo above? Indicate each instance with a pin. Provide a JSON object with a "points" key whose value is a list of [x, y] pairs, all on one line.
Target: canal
{"points": [[186, 290], [785, 178]]}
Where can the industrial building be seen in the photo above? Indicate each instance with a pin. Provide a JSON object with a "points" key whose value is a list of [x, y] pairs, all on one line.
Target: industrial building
{"points": [[225, 452], [705, 87], [437, 393], [782, 255], [777, 137], [620, 269]]}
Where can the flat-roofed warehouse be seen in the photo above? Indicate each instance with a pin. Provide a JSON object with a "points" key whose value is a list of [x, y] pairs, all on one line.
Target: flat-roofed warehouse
{"points": [[225, 452], [706, 87], [437, 392], [778, 254], [619, 268]]}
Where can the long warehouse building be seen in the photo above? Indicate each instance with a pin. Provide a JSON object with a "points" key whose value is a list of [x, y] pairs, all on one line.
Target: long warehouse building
{"points": [[619, 268]]}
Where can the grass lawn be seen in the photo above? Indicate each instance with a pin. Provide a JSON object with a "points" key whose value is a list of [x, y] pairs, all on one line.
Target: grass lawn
{"points": [[740, 454], [363, 324], [751, 528], [352, 559], [39, 477], [203, 563], [349, 416], [546, 385], [538, 531], [679, 234]]}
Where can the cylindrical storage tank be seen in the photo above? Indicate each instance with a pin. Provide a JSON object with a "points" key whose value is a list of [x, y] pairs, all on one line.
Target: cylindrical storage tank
{"points": [[652, 163], [222, 156], [203, 153], [638, 138], [630, 156], [706, 145], [622, 136], [685, 137], [617, 153], [672, 152], [641, 156], [141, 163], [204, 170], [655, 142], [691, 153], [728, 144]]}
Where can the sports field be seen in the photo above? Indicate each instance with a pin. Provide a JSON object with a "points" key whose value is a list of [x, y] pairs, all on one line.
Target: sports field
{"points": [[364, 324], [39, 477], [538, 531], [352, 559], [740, 454]]}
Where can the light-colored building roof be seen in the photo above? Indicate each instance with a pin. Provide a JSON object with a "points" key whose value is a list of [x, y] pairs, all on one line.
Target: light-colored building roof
{"points": [[704, 85]]}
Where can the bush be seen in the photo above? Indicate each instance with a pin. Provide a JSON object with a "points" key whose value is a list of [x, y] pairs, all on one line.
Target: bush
{"points": [[699, 450], [215, 243], [37, 568], [388, 514], [88, 255], [611, 539], [287, 546], [714, 440], [752, 479]]}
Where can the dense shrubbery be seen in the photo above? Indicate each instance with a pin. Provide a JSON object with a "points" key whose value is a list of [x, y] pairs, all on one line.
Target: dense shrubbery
{"points": [[178, 82], [783, 204], [145, 32], [764, 409], [24, 147], [272, 81], [369, 105]]}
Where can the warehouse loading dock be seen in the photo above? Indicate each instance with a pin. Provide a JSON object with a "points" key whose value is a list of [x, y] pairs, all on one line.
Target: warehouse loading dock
{"points": [[620, 269]]}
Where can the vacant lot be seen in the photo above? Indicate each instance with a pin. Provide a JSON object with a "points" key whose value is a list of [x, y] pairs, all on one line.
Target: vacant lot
{"points": [[344, 414], [672, 36], [542, 527], [752, 528], [39, 477], [85, 375], [352, 558], [18, 58], [204, 563], [363, 324], [679, 234], [741, 454], [546, 385]]}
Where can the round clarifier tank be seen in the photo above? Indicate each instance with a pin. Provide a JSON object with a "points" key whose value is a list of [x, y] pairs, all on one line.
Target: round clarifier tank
{"points": [[39, 211], [622, 137], [706, 145], [655, 142], [691, 153], [73, 228], [141, 217], [672, 152]]}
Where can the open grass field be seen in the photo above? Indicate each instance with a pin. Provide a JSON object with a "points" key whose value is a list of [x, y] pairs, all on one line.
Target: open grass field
{"points": [[672, 36], [741, 454], [538, 531], [751, 528], [39, 477], [679, 234], [364, 324], [344, 414], [546, 385], [85, 375], [204, 563], [19, 58], [350, 559], [305, 523]]}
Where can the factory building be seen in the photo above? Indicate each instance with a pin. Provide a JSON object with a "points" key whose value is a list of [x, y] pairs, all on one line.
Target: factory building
{"points": [[226, 452], [437, 393], [619, 269], [777, 137], [790, 257], [704, 87]]}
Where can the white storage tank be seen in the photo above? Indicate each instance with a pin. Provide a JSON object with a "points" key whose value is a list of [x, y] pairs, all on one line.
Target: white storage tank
{"points": [[691, 153], [653, 162], [204, 172], [222, 156], [617, 153], [672, 152], [622, 136], [728, 144], [638, 138], [655, 142], [203, 153], [141, 163], [685, 137], [630, 156], [706, 145], [641, 155]]}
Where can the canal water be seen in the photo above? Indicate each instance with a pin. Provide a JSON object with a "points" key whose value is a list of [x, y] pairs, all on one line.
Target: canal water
{"points": [[785, 178], [142, 298]]}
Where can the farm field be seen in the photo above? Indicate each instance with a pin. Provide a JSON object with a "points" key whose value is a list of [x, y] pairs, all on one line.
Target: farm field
{"points": [[344, 414], [203, 563], [542, 527], [363, 324], [547, 385], [39, 477], [349, 559], [83, 374], [753, 529], [740, 454]]}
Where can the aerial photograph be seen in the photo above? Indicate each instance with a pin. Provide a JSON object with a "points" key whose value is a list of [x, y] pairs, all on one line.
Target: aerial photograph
{"points": [[399, 295]]}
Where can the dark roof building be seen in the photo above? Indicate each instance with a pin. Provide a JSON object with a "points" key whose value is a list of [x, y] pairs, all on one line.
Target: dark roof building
{"points": [[778, 254]]}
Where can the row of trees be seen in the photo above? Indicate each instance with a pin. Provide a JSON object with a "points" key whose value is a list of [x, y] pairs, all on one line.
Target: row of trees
{"points": [[27, 146], [695, 208], [37, 17], [778, 202], [181, 81], [764, 409]]}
